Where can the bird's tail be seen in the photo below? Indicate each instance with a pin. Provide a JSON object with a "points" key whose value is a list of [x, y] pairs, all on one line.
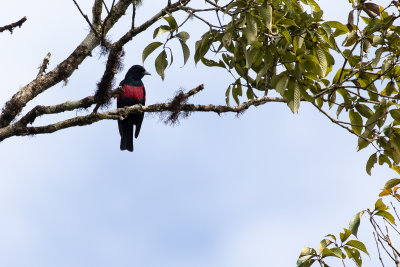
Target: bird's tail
{"points": [[127, 138]]}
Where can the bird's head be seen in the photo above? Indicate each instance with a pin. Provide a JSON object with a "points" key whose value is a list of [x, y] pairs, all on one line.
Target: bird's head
{"points": [[136, 72]]}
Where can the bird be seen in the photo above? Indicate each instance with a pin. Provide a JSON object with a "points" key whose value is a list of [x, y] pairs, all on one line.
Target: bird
{"points": [[134, 93]]}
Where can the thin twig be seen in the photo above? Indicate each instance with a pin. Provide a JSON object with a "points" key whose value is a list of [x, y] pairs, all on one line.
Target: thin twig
{"points": [[379, 252], [44, 65], [86, 18], [396, 253], [108, 11], [394, 208]]}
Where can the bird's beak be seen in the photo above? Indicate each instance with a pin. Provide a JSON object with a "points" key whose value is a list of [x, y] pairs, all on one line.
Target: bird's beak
{"points": [[147, 73]]}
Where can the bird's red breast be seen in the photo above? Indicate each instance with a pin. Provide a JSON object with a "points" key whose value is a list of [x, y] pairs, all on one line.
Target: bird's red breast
{"points": [[133, 92]]}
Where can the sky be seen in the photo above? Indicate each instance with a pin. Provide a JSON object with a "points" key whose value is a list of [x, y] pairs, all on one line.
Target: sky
{"points": [[212, 191]]}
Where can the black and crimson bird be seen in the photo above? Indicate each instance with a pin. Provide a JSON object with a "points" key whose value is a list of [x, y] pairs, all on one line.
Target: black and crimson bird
{"points": [[134, 93]]}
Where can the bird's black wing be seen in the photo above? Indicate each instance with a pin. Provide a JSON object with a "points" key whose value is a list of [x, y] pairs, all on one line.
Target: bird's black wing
{"points": [[140, 116]]}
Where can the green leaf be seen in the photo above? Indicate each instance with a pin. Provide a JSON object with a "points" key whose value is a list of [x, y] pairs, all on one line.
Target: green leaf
{"points": [[339, 110], [355, 223], [395, 139], [304, 95], [227, 39], [250, 94], [395, 113], [323, 244], [298, 42], [282, 84], [323, 63], [371, 162], [338, 252], [202, 46], [386, 215], [389, 89], [149, 49], [358, 245], [287, 36], [356, 121], [386, 64], [184, 36], [298, 70], [350, 20], [345, 235], [373, 120], [172, 22], [212, 63], [294, 104], [227, 94], [362, 143], [266, 14], [396, 168], [390, 131], [385, 192], [161, 64], [236, 92], [186, 51], [379, 205], [344, 74], [354, 254], [251, 56], [372, 27], [366, 45], [251, 29], [326, 252], [327, 29], [332, 99], [303, 259], [320, 102], [314, 6], [351, 39], [384, 159], [160, 30], [307, 251], [171, 56], [364, 110], [337, 25], [378, 55], [331, 236], [391, 183]]}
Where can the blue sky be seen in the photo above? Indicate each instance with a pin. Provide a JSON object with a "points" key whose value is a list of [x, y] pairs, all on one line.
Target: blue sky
{"points": [[213, 191]]}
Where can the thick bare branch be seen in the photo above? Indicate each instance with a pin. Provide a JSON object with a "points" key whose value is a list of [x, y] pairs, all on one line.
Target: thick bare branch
{"points": [[63, 71], [83, 103], [10, 27], [96, 12], [19, 129]]}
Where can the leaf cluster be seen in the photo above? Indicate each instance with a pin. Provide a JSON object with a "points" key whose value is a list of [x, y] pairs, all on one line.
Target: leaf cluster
{"points": [[381, 218], [285, 47]]}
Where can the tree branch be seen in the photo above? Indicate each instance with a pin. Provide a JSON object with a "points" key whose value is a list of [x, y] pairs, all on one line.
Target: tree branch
{"points": [[86, 17], [10, 27], [44, 65], [96, 12], [63, 71], [20, 128], [83, 103]]}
